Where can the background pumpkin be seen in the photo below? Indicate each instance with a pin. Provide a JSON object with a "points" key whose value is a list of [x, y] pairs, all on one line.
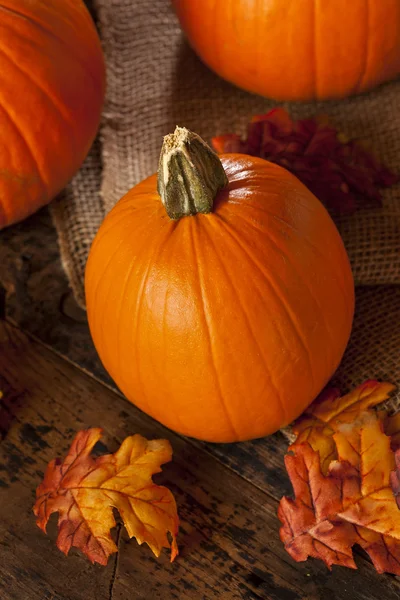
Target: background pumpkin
{"points": [[52, 84], [296, 49], [223, 326]]}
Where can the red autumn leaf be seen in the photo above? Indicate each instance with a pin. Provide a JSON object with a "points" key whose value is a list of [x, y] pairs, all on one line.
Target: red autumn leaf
{"points": [[341, 172], [352, 504], [310, 526], [84, 490]]}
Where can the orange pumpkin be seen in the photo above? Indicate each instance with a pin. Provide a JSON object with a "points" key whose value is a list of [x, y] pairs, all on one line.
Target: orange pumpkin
{"points": [[52, 82], [226, 318], [296, 49]]}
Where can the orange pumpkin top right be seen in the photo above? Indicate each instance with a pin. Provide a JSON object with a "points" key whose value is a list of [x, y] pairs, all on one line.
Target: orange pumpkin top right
{"points": [[296, 49]]}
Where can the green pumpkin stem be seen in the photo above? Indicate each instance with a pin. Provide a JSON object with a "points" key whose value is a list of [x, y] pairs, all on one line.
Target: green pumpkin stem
{"points": [[190, 174]]}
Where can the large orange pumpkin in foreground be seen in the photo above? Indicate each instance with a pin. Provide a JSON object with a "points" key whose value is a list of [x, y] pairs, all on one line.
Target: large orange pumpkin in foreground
{"points": [[296, 49], [222, 308], [51, 94]]}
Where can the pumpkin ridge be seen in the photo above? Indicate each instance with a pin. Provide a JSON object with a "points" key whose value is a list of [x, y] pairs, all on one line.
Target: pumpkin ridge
{"points": [[305, 239], [152, 260], [248, 325], [110, 288], [314, 17], [258, 38], [135, 329], [46, 93], [204, 312], [119, 310], [285, 304], [364, 68], [98, 242], [111, 221], [51, 34], [138, 309], [338, 272], [295, 270], [41, 177], [214, 32]]}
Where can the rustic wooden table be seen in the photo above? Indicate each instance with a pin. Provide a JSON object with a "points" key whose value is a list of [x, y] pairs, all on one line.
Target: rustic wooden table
{"points": [[54, 385]]}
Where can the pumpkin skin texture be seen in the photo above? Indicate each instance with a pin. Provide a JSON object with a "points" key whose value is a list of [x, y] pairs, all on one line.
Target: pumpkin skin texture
{"points": [[222, 326], [52, 84], [296, 49]]}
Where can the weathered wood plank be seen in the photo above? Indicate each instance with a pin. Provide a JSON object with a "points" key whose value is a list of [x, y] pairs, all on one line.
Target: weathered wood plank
{"points": [[229, 540], [37, 294]]}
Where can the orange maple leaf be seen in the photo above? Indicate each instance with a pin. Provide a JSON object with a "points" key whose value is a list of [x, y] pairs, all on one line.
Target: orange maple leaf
{"points": [[310, 526], [353, 503], [84, 490], [331, 411]]}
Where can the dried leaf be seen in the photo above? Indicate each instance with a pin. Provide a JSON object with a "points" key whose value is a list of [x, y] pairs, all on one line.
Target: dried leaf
{"points": [[310, 526], [84, 490], [352, 504], [330, 411], [341, 172], [383, 550], [375, 507]]}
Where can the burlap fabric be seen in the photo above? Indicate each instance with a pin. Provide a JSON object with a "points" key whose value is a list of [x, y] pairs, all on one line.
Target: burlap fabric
{"points": [[156, 82]]}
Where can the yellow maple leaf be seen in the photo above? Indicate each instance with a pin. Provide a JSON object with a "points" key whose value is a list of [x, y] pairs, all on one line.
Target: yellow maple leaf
{"points": [[374, 506], [84, 490], [352, 504], [331, 411]]}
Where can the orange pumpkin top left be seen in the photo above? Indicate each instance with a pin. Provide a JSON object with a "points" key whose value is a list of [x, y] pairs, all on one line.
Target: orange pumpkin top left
{"points": [[52, 84]]}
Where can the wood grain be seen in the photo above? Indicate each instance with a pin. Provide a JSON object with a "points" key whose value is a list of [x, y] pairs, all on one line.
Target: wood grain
{"points": [[37, 294], [229, 540]]}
